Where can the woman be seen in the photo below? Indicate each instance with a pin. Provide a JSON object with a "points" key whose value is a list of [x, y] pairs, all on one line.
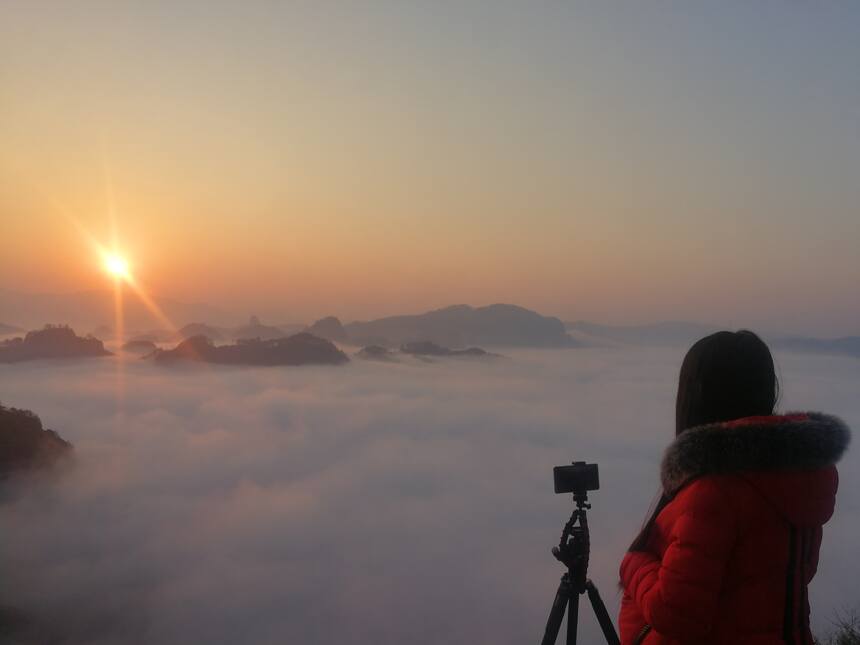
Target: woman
{"points": [[728, 552]]}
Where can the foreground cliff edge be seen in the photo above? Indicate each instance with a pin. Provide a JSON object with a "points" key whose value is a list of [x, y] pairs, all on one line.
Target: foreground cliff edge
{"points": [[26, 446]]}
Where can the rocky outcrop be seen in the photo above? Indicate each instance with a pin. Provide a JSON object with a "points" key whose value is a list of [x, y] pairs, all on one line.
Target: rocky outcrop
{"points": [[25, 445], [51, 342], [299, 349], [329, 328]]}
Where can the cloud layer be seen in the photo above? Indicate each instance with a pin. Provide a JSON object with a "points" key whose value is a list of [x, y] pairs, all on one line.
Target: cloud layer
{"points": [[374, 503]]}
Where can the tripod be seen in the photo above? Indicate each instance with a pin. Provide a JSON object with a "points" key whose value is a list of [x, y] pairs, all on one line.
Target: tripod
{"points": [[573, 550]]}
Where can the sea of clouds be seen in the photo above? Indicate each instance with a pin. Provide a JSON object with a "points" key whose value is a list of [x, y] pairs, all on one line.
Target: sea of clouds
{"points": [[371, 503]]}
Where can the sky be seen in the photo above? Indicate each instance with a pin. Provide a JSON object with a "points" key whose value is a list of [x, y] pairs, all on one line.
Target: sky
{"points": [[369, 503], [616, 162]]}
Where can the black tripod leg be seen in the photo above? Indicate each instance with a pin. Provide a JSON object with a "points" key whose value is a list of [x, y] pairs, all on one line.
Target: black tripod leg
{"points": [[556, 614], [572, 618], [601, 613]]}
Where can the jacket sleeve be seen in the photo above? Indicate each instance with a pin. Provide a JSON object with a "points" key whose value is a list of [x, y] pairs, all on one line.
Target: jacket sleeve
{"points": [[678, 594]]}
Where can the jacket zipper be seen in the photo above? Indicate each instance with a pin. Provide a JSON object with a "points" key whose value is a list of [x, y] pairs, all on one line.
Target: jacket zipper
{"points": [[641, 635]]}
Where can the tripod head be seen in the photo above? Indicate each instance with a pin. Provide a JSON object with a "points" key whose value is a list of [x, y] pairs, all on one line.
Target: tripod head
{"points": [[574, 547], [573, 550]]}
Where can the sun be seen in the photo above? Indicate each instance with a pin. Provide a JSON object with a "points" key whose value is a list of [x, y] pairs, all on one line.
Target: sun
{"points": [[117, 266]]}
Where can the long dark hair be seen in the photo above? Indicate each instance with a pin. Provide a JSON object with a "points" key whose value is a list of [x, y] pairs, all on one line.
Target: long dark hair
{"points": [[724, 376]]}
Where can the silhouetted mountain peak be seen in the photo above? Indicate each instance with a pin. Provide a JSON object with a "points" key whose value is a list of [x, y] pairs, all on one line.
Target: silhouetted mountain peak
{"points": [[463, 325], [200, 329], [299, 349], [330, 328], [52, 341], [195, 348]]}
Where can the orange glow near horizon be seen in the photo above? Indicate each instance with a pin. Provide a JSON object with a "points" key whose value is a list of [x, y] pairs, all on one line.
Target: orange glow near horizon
{"points": [[117, 266], [297, 162]]}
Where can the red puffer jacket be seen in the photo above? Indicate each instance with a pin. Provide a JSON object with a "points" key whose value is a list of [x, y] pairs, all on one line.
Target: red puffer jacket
{"points": [[729, 558]]}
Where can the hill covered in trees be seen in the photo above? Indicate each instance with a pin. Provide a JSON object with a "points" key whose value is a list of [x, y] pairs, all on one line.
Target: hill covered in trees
{"points": [[52, 341], [299, 349]]}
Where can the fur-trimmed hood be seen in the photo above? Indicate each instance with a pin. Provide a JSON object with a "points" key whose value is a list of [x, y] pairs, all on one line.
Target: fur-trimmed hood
{"points": [[799, 441], [728, 558]]}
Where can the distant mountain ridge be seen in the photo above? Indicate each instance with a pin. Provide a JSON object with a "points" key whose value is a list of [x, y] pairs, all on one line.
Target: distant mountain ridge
{"points": [[455, 326], [463, 325]]}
